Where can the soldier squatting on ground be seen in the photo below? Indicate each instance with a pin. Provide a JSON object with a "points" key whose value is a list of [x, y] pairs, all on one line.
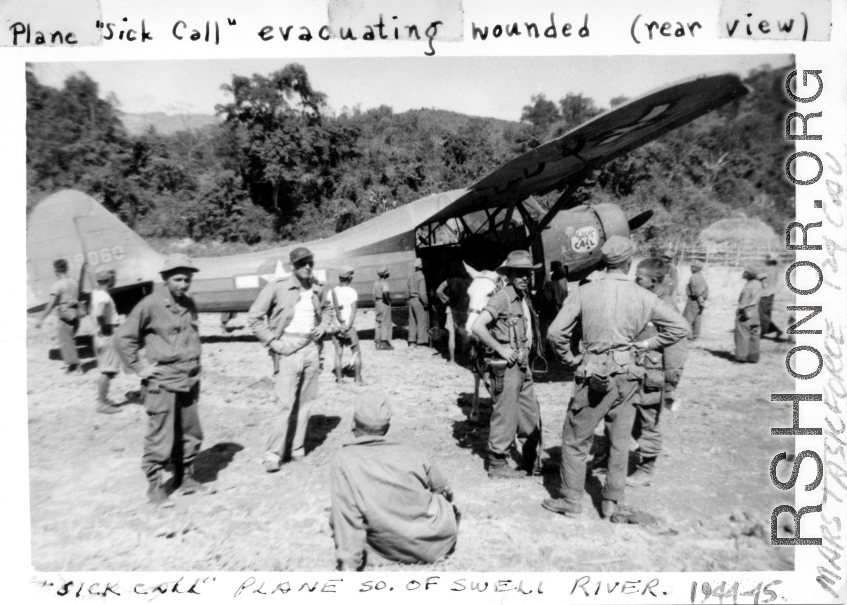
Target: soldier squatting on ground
{"points": [[164, 324], [389, 503], [288, 317], [611, 312]]}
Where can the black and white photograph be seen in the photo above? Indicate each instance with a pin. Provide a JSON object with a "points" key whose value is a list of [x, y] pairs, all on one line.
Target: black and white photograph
{"points": [[464, 319]]}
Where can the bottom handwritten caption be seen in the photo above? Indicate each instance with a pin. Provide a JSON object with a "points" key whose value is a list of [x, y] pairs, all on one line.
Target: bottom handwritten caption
{"points": [[584, 586]]}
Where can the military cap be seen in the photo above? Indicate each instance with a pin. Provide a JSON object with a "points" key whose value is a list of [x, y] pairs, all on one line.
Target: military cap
{"points": [[617, 250], [517, 259], [771, 258], [697, 265], [104, 275], [299, 254], [345, 272], [371, 409], [418, 263], [178, 261], [667, 252], [654, 267], [60, 265], [753, 272], [382, 271]]}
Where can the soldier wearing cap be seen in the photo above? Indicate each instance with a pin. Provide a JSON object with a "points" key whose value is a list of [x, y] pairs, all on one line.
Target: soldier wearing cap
{"points": [[389, 503], [64, 297], [382, 311], [164, 324], [670, 280], [769, 276], [288, 318], [747, 320], [418, 307], [105, 317], [697, 294], [508, 326], [453, 293], [345, 302], [611, 312]]}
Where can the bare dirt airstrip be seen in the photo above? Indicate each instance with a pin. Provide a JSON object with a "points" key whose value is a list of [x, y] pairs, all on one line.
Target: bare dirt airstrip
{"points": [[711, 499]]}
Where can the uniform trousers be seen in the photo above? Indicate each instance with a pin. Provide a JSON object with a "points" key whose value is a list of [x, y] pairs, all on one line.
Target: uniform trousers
{"points": [[516, 412], [295, 388], [66, 330], [693, 314], [765, 311], [587, 409], [674, 357], [646, 430], [173, 428], [747, 334], [418, 322], [383, 330]]}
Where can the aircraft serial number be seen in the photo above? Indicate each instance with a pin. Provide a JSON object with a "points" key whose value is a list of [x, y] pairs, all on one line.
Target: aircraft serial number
{"points": [[101, 256]]}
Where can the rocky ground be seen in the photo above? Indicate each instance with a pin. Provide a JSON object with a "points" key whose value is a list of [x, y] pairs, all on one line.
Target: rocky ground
{"points": [[711, 498]]}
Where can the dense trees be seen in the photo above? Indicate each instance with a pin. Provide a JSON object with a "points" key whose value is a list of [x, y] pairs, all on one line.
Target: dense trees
{"points": [[278, 166]]}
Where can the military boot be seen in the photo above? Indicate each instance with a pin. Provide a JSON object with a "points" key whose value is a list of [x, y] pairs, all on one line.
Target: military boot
{"points": [[387, 345], [608, 508], [563, 506], [156, 493], [643, 474], [190, 485], [499, 469]]}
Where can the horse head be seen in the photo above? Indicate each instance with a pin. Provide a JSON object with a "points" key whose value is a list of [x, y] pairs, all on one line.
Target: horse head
{"points": [[484, 284]]}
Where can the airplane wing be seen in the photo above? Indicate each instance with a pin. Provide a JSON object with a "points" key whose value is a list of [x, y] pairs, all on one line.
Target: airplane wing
{"points": [[555, 164]]}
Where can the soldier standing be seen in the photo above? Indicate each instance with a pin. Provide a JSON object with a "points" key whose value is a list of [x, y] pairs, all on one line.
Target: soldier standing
{"points": [[769, 278], [662, 373], [418, 307], [345, 302], [289, 318], [164, 324], [670, 281], [453, 293], [698, 292], [105, 317], [64, 297], [512, 334], [611, 312], [382, 311], [551, 296], [747, 320]]}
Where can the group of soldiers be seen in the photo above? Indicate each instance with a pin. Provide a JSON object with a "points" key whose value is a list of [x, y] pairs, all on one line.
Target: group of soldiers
{"points": [[625, 340]]}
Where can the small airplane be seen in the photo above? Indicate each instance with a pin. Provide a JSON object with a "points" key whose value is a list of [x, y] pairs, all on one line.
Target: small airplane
{"points": [[479, 225]]}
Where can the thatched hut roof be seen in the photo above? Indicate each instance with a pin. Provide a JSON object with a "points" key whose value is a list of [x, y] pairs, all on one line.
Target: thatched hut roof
{"points": [[740, 232]]}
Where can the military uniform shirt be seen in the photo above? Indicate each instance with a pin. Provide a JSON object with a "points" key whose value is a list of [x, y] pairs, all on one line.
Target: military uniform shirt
{"points": [[751, 293], [614, 311], [380, 289], [770, 281], [382, 493], [501, 306], [168, 333], [697, 287], [417, 286], [66, 291]]}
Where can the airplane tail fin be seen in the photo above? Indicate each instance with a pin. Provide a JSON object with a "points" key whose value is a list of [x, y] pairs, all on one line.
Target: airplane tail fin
{"points": [[74, 226]]}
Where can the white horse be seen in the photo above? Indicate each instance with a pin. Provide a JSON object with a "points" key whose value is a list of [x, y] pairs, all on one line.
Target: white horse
{"points": [[484, 284]]}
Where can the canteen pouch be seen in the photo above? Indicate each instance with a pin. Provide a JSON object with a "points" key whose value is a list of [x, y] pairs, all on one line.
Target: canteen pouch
{"points": [[599, 376], [654, 372], [498, 371]]}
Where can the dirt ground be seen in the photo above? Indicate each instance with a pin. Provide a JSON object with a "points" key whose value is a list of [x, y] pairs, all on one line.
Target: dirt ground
{"points": [[711, 497]]}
